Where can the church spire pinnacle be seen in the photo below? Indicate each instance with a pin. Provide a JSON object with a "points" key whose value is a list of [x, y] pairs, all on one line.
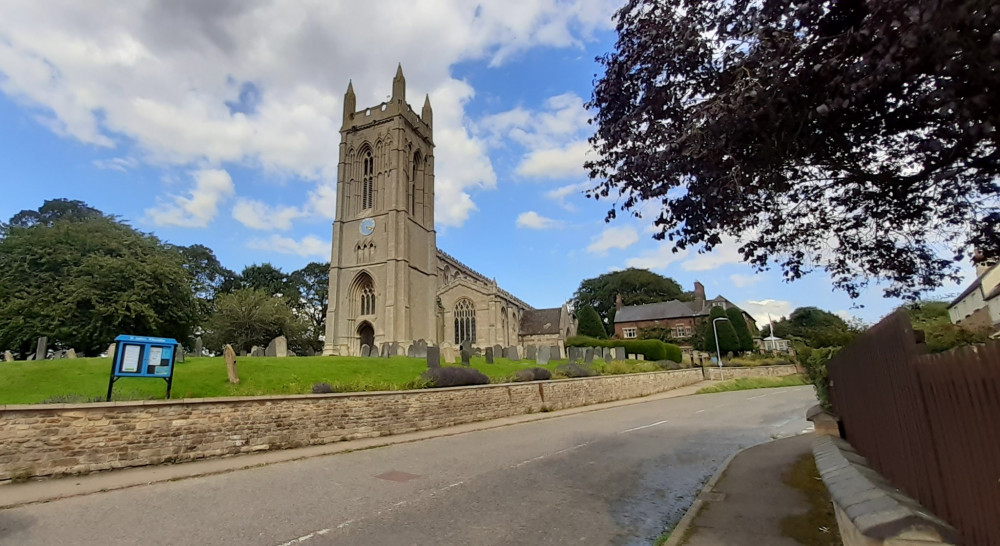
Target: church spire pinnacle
{"points": [[399, 85], [350, 102], [427, 115]]}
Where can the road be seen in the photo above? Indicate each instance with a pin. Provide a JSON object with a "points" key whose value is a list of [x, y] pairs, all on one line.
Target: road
{"points": [[613, 476]]}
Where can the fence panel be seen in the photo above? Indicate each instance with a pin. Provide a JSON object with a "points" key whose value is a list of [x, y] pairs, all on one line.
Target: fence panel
{"points": [[928, 423]]}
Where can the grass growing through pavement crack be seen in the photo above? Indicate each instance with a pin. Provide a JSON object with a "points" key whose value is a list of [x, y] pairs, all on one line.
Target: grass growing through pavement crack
{"points": [[818, 526]]}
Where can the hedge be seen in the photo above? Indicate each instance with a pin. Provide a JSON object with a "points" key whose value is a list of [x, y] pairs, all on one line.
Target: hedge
{"points": [[650, 349]]}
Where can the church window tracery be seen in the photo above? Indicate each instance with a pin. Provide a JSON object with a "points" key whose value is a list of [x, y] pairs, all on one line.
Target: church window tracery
{"points": [[465, 321], [363, 294], [368, 180]]}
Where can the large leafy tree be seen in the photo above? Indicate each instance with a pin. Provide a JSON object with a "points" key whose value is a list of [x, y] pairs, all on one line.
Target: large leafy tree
{"points": [[81, 281], [208, 276], [248, 317], [636, 286], [814, 327], [819, 133], [51, 211], [267, 278], [312, 283]]}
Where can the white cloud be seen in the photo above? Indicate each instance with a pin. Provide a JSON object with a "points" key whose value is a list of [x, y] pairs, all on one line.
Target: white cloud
{"points": [[560, 194], [323, 201], [740, 281], [657, 259], [759, 309], [201, 205], [258, 215], [533, 220], [724, 253], [260, 83], [121, 164], [561, 162], [308, 246], [620, 237]]}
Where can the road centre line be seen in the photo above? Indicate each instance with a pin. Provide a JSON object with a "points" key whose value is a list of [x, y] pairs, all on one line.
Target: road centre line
{"points": [[756, 397], [699, 411], [642, 427]]}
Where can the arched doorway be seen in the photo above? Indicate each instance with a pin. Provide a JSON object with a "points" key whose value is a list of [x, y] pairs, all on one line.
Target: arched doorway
{"points": [[366, 335]]}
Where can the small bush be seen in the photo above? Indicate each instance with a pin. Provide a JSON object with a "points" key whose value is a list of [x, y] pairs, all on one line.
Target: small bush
{"points": [[532, 374], [322, 388], [453, 376], [574, 370]]}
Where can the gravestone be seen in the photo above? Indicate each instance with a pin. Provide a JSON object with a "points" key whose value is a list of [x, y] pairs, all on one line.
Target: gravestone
{"points": [[31, 357], [466, 345], [512, 351], [543, 355], [366, 351], [278, 347], [619, 353], [257, 351], [180, 353], [476, 351], [466, 355], [607, 353], [393, 349], [420, 349], [607, 357], [309, 352], [292, 353], [588, 355], [555, 353], [433, 356], [489, 355], [530, 352], [42, 349], [56, 355], [498, 352], [8, 356], [411, 351], [69, 353], [230, 355], [384, 351], [199, 347], [631, 357], [111, 350], [448, 353], [640, 357]]}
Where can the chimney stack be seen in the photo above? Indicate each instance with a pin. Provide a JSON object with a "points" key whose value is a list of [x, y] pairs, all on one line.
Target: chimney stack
{"points": [[699, 296], [618, 302]]}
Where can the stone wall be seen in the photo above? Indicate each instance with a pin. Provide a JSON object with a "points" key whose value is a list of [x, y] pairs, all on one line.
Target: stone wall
{"points": [[724, 374], [63, 439]]}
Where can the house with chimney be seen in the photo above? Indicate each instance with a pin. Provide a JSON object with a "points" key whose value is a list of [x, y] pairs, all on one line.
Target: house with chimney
{"points": [[681, 318], [978, 306]]}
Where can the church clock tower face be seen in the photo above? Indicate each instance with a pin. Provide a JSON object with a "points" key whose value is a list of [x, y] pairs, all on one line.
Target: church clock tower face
{"points": [[367, 226]]}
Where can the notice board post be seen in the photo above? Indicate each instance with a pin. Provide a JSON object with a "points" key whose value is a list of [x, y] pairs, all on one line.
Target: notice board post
{"points": [[141, 356]]}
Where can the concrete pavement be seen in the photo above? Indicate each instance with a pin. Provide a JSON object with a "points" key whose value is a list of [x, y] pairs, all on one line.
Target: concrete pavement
{"points": [[616, 475]]}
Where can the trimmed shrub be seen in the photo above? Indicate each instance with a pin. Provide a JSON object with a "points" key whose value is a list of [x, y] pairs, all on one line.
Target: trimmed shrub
{"points": [[454, 376], [589, 323], [742, 331], [532, 374], [575, 370], [322, 388]]}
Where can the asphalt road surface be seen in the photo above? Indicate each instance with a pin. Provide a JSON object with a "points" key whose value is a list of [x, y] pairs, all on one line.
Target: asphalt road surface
{"points": [[613, 476]]}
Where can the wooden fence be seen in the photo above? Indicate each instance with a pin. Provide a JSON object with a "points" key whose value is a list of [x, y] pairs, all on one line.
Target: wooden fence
{"points": [[928, 423]]}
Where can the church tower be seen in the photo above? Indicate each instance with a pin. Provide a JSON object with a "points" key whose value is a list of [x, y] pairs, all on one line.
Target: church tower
{"points": [[383, 265]]}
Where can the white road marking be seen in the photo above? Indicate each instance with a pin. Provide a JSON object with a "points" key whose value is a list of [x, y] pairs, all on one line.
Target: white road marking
{"points": [[699, 411], [756, 397], [304, 538], [642, 427]]}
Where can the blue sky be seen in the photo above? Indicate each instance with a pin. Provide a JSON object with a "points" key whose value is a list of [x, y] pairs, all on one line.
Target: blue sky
{"points": [[218, 124]]}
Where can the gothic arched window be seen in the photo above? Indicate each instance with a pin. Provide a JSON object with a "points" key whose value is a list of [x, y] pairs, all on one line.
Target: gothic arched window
{"points": [[367, 180], [465, 321], [363, 294]]}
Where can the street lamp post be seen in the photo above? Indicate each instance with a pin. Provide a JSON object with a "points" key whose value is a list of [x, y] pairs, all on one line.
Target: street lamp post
{"points": [[715, 331]]}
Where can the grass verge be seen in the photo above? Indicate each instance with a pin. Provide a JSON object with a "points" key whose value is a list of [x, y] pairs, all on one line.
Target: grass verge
{"points": [[747, 383], [818, 526]]}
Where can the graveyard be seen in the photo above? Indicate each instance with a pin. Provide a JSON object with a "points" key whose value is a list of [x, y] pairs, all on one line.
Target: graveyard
{"points": [[83, 380]]}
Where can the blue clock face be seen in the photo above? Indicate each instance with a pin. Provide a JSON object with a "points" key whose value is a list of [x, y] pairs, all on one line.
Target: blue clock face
{"points": [[367, 226]]}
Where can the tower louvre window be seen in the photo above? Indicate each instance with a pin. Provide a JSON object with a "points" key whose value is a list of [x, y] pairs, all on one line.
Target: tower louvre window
{"points": [[368, 181]]}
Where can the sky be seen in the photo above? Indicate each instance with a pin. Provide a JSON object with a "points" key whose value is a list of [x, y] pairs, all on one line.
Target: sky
{"points": [[217, 123]]}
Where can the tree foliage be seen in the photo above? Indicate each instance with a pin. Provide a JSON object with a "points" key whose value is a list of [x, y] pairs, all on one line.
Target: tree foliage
{"points": [[940, 334], [588, 323], [208, 277], [249, 317], [819, 133], [636, 286], [81, 280], [814, 327], [742, 330], [51, 211], [729, 341], [269, 279], [312, 283]]}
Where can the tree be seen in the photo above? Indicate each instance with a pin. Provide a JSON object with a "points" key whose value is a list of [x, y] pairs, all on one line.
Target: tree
{"points": [[815, 327], [742, 331], [729, 342], [312, 283], [267, 278], [249, 317], [940, 334], [51, 211], [588, 323], [208, 276], [82, 281], [636, 286], [817, 134]]}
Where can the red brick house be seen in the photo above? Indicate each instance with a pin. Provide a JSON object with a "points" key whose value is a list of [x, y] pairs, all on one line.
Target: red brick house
{"points": [[681, 318]]}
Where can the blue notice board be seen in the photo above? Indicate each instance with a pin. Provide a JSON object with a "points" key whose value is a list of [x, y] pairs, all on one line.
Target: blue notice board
{"points": [[142, 356]]}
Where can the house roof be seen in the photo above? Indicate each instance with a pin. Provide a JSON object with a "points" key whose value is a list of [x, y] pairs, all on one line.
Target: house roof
{"points": [[540, 321], [655, 311]]}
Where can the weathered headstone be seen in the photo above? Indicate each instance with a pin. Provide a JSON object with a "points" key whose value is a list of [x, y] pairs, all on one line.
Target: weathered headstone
{"points": [[466, 345], [366, 351], [180, 353], [466, 355], [543, 355], [411, 351], [607, 352], [230, 355], [433, 356], [257, 351], [489, 355], [588, 355], [56, 355], [42, 349], [498, 352], [394, 349], [555, 353], [71, 353], [607, 357], [292, 353], [631, 357], [199, 347], [513, 353], [619, 353], [420, 349], [111, 350], [383, 351], [448, 353], [640, 357], [573, 354], [278, 347], [8, 356], [530, 352], [31, 357]]}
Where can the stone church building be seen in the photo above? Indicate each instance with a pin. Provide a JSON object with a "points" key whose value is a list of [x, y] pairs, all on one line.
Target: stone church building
{"points": [[388, 280]]}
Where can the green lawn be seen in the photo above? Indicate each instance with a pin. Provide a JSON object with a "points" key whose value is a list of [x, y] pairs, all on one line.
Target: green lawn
{"points": [[746, 383], [86, 379]]}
